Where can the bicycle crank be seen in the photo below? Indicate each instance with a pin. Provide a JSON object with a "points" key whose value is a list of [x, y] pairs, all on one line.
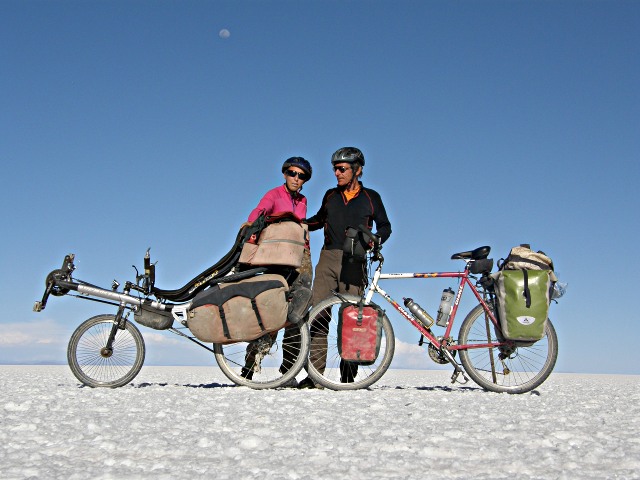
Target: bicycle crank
{"points": [[437, 355]]}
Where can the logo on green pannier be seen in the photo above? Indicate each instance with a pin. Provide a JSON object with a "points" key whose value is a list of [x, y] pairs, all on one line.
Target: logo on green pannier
{"points": [[525, 320]]}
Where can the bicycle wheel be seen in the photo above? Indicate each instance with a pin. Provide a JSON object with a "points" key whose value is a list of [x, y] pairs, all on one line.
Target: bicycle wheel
{"points": [[325, 365], [516, 369], [93, 365], [268, 362]]}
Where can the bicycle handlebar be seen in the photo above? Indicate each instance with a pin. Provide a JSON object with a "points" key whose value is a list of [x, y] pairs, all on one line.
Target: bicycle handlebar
{"points": [[374, 239], [368, 233]]}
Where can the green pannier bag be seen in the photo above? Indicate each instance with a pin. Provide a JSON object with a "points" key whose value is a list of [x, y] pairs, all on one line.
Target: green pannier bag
{"points": [[523, 303]]}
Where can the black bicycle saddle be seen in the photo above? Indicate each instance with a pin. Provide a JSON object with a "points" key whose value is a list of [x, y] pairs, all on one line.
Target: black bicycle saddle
{"points": [[477, 254]]}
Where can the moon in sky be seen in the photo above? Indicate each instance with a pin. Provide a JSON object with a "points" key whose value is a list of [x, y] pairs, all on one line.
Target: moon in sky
{"points": [[224, 33]]}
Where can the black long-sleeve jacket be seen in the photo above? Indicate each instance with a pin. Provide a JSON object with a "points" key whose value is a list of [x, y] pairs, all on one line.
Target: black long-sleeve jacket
{"points": [[336, 214]]}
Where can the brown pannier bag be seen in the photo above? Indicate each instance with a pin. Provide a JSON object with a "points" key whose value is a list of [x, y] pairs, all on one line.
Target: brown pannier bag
{"points": [[240, 311], [279, 243]]}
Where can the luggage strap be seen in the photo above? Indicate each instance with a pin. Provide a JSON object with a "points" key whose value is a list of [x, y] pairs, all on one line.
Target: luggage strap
{"points": [[526, 292], [254, 305], [360, 312], [518, 258], [225, 326]]}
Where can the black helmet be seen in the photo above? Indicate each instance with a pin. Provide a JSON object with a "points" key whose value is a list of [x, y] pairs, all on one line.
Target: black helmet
{"points": [[299, 162], [348, 155]]}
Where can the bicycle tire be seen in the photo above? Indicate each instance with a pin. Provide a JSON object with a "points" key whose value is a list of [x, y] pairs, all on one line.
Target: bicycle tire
{"points": [[92, 366], [525, 367], [242, 369], [366, 375]]}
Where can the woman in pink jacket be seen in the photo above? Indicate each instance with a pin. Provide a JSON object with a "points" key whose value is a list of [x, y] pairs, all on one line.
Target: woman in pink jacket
{"points": [[284, 199]]}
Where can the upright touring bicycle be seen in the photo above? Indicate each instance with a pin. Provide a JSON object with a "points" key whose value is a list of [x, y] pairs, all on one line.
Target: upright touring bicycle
{"points": [[492, 362], [108, 350]]}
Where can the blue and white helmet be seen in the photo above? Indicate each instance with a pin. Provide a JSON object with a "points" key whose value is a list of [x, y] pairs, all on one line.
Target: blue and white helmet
{"points": [[299, 162]]}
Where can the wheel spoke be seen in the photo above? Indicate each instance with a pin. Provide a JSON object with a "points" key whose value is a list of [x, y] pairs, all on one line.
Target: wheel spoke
{"points": [[267, 362], [326, 366], [93, 366], [516, 369]]}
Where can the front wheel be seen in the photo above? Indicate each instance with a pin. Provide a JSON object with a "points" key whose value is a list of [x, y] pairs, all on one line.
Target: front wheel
{"points": [[325, 365], [270, 361], [516, 369], [95, 365]]}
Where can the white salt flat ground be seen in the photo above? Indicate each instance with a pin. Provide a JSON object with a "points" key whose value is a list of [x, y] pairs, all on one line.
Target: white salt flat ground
{"points": [[190, 422]]}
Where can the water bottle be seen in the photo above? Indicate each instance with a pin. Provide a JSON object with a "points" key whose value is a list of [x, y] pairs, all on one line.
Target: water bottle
{"points": [[419, 312], [445, 307], [559, 289]]}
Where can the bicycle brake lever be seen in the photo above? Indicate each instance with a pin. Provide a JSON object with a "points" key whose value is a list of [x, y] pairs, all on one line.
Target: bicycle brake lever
{"points": [[377, 257]]}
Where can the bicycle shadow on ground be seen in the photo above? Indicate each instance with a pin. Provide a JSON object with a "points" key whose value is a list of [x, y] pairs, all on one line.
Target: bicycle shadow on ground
{"points": [[437, 388], [187, 385], [459, 388]]}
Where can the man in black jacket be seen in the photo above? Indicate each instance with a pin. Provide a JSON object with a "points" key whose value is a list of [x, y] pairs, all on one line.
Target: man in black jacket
{"points": [[349, 204]]}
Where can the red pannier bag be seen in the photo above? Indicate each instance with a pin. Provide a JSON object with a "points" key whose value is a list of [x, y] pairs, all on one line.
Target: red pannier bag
{"points": [[359, 333]]}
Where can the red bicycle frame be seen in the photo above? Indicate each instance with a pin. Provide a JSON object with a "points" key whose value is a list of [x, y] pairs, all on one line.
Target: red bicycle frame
{"points": [[464, 280]]}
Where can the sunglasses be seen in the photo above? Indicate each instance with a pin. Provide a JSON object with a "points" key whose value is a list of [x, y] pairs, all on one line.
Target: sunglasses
{"points": [[301, 175], [341, 169]]}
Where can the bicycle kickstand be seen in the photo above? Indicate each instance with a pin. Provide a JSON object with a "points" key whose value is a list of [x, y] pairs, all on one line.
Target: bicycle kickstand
{"points": [[457, 369], [456, 373]]}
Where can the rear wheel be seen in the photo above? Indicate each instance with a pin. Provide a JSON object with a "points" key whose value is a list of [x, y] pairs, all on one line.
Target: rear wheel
{"points": [[518, 368], [95, 365], [270, 361], [325, 365]]}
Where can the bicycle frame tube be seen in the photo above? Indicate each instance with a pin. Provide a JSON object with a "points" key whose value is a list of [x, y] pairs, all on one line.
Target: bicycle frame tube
{"points": [[89, 291], [464, 280]]}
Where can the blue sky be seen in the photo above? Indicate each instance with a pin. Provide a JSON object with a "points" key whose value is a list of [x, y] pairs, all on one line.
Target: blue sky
{"points": [[133, 124]]}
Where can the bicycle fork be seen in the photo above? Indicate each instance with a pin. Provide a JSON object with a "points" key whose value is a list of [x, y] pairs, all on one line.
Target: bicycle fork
{"points": [[119, 323]]}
